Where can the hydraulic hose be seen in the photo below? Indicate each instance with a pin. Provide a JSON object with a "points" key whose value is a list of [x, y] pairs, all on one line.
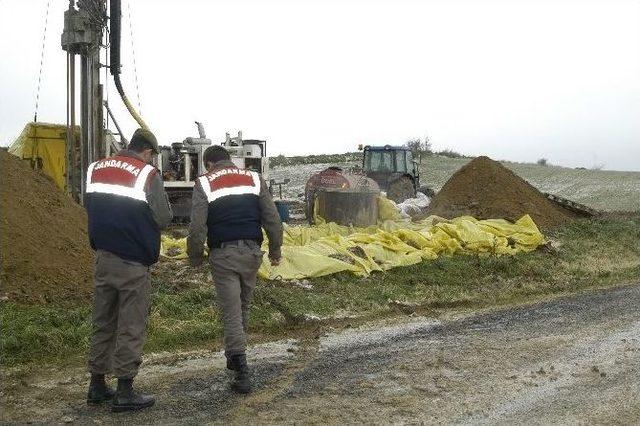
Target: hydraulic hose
{"points": [[114, 42]]}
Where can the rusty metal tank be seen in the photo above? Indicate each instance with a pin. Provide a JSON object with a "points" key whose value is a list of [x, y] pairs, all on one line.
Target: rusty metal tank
{"points": [[342, 197]]}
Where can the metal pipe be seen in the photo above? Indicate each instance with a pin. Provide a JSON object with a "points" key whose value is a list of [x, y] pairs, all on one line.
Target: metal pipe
{"points": [[84, 121], [67, 150], [96, 107], [100, 146], [187, 167], [123, 140], [75, 187], [91, 140]]}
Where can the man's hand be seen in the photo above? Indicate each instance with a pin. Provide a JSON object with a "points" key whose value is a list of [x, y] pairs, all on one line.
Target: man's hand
{"points": [[195, 262], [275, 262]]}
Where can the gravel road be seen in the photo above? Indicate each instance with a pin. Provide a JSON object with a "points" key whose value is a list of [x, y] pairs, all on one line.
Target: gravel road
{"points": [[571, 360]]}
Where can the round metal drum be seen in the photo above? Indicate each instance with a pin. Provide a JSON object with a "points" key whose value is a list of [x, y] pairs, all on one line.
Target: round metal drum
{"points": [[348, 206]]}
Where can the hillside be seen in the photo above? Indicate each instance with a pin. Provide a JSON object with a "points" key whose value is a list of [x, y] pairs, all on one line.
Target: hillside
{"points": [[600, 189]]}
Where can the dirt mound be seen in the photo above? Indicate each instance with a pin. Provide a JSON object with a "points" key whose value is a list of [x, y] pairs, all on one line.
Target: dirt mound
{"points": [[485, 189], [46, 255]]}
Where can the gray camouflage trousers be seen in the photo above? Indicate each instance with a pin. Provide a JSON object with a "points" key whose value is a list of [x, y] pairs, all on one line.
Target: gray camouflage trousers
{"points": [[122, 296], [234, 268]]}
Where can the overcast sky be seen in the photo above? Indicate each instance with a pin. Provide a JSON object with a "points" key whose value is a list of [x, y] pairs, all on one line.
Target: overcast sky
{"points": [[516, 80]]}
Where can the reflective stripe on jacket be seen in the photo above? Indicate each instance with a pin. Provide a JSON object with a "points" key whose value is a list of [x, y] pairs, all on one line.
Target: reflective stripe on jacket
{"points": [[234, 210], [120, 218]]}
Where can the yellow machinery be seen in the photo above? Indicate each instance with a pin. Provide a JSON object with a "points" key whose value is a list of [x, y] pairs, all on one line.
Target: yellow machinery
{"points": [[44, 145]]}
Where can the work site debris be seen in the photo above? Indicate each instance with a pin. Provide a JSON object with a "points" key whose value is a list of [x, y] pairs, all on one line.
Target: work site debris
{"points": [[485, 189], [412, 207], [45, 250], [387, 210], [314, 251]]}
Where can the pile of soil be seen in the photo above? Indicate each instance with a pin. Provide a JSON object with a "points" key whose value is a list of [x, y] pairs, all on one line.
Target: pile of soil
{"points": [[46, 255], [485, 189]]}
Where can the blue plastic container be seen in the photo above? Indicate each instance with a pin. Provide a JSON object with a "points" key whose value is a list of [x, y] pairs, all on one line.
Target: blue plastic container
{"points": [[283, 210]]}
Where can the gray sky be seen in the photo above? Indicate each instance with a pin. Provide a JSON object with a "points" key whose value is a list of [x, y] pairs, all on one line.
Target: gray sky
{"points": [[516, 80]]}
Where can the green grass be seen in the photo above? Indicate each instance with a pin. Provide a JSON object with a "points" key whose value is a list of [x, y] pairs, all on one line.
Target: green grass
{"points": [[591, 253], [34, 333]]}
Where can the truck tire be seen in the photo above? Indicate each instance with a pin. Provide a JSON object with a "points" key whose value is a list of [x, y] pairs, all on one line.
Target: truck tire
{"points": [[401, 189]]}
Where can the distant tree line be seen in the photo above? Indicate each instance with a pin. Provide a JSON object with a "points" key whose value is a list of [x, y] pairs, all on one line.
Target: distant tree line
{"points": [[423, 146], [348, 157], [419, 146]]}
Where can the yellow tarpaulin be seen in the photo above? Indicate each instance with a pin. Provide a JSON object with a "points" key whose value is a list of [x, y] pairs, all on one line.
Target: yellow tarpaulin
{"points": [[44, 144], [329, 248]]}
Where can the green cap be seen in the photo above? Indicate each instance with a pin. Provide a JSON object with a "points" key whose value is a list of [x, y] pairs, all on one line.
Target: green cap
{"points": [[146, 135]]}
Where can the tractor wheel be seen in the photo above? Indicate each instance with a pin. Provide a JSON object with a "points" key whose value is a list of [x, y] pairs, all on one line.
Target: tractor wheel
{"points": [[401, 189]]}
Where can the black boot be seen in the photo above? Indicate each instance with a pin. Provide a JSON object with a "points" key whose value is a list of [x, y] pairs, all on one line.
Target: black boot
{"points": [[242, 382], [128, 400], [98, 390], [230, 365]]}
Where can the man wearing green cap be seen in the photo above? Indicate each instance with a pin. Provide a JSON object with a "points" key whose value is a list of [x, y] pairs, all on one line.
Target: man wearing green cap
{"points": [[127, 207]]}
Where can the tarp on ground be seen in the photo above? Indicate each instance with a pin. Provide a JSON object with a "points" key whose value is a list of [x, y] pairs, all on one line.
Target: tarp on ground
{"points": [[44, 145], [324, 249]]}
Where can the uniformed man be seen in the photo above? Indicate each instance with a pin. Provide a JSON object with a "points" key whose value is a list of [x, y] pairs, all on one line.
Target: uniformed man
{"points": [[127, 207], [230, 206]]}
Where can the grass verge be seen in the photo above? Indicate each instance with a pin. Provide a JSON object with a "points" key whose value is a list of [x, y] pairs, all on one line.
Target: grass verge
{"points": [[585, 254]]}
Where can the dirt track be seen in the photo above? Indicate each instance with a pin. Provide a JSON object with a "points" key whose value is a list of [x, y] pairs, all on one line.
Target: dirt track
{"points": [[572, 360]]}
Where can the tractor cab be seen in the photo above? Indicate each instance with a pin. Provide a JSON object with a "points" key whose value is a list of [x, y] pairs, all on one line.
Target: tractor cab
{"points": [[394, 170], [388, 159]]}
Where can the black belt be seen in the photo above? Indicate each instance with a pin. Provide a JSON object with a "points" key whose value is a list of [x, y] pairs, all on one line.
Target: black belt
{"points": [[236, 243]]}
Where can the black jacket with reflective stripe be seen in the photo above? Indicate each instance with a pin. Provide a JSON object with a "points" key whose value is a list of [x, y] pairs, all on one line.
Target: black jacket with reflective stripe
{"points": [[234, 209], [121, 221]]}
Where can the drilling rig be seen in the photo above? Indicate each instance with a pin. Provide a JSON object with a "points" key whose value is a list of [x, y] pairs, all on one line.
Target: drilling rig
{"points": [[85, 25], [83, 37]]}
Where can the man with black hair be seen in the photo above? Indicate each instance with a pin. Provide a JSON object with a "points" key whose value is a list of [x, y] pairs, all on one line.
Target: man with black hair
{"points": [[230, 206], [127, 207]]}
